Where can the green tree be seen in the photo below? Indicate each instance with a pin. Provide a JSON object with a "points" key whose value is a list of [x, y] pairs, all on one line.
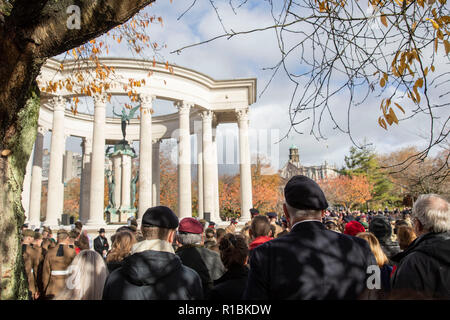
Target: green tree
{"points": [[365, 162]]}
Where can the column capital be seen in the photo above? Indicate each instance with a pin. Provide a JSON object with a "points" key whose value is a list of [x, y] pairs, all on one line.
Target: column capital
{"points": [[146, 100], [59, 103], [156, 141], [42, 130], [100, 99], [183, 106], [242, 113], [66, 134], [86, 144], [207, 115]]}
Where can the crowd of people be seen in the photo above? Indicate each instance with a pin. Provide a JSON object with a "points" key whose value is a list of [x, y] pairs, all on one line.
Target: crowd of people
{"points": [[307, 252]]}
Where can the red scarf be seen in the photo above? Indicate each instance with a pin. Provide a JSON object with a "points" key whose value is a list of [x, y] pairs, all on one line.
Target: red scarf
{"points": [[259, 241]]}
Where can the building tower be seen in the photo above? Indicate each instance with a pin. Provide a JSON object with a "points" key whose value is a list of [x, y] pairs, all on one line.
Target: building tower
{"points": [[294, 157]]}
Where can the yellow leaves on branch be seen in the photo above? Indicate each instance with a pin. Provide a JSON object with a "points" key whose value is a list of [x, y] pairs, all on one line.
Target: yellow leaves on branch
{"points": [[389, 115]]}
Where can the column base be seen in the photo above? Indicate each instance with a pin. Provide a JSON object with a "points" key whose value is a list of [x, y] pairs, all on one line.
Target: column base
{"points": [[34, 225], [95, 224]]}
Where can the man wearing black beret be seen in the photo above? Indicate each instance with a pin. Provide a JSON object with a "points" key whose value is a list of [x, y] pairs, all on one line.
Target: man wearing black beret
{"points": [[153, 271], [310, 262]]}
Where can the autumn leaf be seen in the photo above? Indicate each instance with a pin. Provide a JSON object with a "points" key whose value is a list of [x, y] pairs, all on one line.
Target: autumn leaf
{"points": [[447, 47], [384, 20]]}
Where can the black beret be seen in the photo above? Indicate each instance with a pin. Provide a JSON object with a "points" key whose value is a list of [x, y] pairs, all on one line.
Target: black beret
{"points": [[304, 193], [160, 216], [271, 214]]}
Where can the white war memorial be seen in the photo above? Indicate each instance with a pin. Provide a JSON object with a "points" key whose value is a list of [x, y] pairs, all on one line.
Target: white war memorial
{"points": [[197, 97]]}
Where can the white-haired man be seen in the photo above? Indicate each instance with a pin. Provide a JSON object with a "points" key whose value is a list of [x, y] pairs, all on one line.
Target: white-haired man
{"points": [[423, 269]]}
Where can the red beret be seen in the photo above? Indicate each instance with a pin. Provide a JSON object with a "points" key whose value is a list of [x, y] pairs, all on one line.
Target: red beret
{"points": [[353, 228], [190, 225]]}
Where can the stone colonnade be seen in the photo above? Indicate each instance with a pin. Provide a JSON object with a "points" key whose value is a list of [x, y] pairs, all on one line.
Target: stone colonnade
{"points": [[93, 165]]}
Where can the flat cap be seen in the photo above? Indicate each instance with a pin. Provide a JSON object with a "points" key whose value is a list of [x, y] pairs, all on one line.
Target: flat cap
{"points": [[271, 214], [28, 233], [160, 216], [304, 193], [190, 225], [254, 212]]}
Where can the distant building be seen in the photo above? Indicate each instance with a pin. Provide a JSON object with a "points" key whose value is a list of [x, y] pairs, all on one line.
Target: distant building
{"points": [[72, 165], [293, 167], [45, 165]]}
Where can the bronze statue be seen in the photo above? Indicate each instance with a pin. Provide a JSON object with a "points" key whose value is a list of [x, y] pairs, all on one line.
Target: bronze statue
{"points": [[126, 118]]}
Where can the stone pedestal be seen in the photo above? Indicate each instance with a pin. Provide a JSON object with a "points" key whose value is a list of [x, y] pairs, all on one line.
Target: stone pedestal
{"points": [[122, 160]]}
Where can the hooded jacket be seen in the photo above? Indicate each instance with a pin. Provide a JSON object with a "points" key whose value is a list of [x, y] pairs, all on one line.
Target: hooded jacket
{"points": [[381, 228], [423, 269], [153, 272]]}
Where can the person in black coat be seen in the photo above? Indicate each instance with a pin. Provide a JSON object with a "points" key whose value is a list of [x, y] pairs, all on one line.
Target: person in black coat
{"points": [[380, 226], [204, 261], [423, 269], [101, 244], [153, 271], [234, 255], [310, 262]]}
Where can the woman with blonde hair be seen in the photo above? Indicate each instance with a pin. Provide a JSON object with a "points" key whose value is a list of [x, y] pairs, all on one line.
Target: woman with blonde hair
{"points": [[123, 241], [86, 278], [382, 261]]}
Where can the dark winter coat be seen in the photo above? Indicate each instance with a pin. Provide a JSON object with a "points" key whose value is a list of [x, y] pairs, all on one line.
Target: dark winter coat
{"points": [[205, 262], [381, 228], [310, 263], [423, 269], [231, 285], [99, 246], [153, 275]]}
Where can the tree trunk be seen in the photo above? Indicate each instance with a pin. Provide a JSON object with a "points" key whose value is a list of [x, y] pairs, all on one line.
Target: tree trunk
{"points": [[31, 32], [13, 163]]}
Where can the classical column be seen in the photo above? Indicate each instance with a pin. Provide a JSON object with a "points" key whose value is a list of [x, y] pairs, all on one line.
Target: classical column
{"points": [[85, 183], [126, 181], [97, 192], [208, 170], [184, 161], [36, 179], [145, 155], [200, 174], [155, 172], [244, 161], [117, 173], [215, 178], [55, 183], [67, 166]]}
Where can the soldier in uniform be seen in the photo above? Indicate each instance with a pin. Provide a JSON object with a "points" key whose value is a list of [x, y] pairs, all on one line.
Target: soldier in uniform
{"points": [[47, 234], [31, 261], [56, 262], [37, 245]]}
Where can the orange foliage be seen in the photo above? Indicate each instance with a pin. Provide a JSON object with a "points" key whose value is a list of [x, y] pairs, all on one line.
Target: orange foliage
{"points": [[72, 197], [168, 182], [347, 191]]}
